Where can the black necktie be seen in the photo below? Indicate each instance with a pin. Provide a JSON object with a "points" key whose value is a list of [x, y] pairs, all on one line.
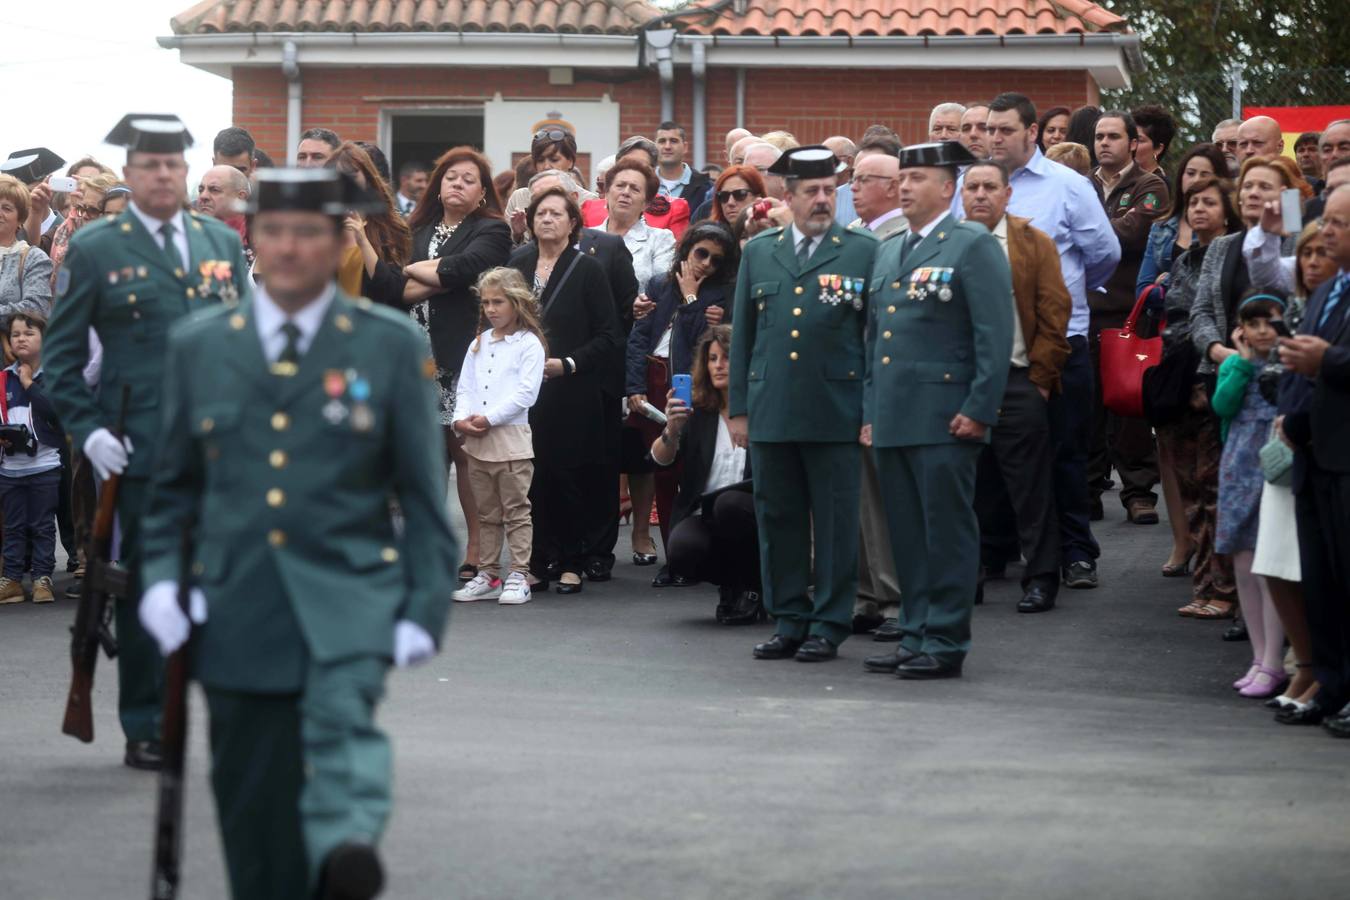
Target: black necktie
{"points": [[911, 241], [291, 352], [171, 249], [803, 252]]}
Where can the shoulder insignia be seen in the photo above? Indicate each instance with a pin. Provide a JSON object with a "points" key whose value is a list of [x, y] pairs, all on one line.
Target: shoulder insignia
{"points": [[1150, 201], [1125, 199], [835, 239], [343, 323], [237, 322], [196, 224], [942, 235], [126, 226]]}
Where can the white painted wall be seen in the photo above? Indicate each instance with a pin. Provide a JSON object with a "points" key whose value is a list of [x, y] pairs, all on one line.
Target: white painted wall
{"points": [[507, 126]]}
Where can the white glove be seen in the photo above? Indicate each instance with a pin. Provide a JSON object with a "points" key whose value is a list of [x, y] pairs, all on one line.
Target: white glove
{"points": [[163, 617], [107, 454], [412, 644]]}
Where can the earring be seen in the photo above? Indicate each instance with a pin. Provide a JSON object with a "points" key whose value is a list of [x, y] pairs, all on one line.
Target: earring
{"points": [[482, 201]]}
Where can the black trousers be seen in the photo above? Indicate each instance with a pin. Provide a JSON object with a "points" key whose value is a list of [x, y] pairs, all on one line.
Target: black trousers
{"points": [[1322, 510], [558, 507], [1014, 497], [601, 495], [1070, 415], [1126, 444], [723, 550]]}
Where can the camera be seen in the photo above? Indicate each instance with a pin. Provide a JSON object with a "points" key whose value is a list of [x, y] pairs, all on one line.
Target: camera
{"points": [[761, 210]]}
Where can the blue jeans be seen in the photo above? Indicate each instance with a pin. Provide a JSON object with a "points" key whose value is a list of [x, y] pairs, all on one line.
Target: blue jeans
{"points": [[29, 505]]}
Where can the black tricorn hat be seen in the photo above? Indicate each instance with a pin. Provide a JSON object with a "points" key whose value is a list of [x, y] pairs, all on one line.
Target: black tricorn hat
{"points": [[151, 133], [815, 161], [326, 191], [32, 165], [941, 154]]}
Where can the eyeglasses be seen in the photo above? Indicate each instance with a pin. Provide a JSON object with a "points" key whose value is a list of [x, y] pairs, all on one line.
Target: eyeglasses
{"points": [[739, 194], [550, 134], [703, 255], [1227, 145], [88, 212]]}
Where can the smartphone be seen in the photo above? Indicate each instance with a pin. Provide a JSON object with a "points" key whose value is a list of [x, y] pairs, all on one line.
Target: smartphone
{"points": [[63, 184], [683, 386], [1281, 328], [1291, 210]]}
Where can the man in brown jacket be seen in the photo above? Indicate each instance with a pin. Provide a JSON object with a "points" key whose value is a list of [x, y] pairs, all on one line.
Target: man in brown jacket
{"points": [[1014, 493]]}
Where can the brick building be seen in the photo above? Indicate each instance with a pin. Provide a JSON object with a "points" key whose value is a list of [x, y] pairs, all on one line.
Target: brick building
{"points": [[418, 76]]}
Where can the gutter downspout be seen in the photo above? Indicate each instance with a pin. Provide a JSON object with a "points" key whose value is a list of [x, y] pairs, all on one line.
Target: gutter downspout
{"points": [[290, 67], [662, 43], [740, 96], [699, 68]]}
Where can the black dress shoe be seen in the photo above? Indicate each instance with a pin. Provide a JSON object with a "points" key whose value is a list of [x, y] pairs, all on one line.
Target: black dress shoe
{"points": [[740, 607], [562, 587], [777, 647], [597, 571], [352, 871], [1236, 632], [1312, 714], [644, 559], [887, 663], [665, 579], [1037, 599], [144, 755], [817, 649], [864, 624], [888, 631], [925, 668]]}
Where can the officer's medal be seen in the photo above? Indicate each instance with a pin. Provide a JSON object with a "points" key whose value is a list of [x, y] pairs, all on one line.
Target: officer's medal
{"points": [[362, 417], [945, 292], [334, 386]]}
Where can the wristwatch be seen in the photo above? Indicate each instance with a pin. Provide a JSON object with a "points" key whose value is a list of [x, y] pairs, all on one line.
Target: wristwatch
{"points": [[691, 298]]}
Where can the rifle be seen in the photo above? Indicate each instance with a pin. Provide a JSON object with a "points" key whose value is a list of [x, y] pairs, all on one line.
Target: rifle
{"points": [[173, 740], [103, 580]]}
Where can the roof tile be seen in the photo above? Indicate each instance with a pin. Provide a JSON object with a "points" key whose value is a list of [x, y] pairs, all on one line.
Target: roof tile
{"points": [[908, 17], [548, 16]]}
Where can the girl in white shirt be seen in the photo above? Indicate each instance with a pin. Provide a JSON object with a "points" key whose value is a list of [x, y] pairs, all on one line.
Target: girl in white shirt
{"points": [[498, 384]]}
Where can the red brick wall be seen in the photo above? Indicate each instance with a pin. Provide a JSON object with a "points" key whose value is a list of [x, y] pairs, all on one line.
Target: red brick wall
{"points": [[812, 105]]}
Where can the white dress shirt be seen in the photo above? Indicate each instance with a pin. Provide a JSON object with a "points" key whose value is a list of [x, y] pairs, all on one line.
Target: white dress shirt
{"points": [[269, 318], [728, 461], [153, 226], [405, 204], [798, 235], [1019, 345]]}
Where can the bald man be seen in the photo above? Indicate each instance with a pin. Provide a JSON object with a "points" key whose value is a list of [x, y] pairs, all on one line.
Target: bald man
{"points": [[733, 136], [218, 190], [1259, 136]]}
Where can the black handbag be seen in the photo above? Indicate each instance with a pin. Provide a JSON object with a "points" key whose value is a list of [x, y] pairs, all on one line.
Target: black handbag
{"points": [[1167, 385]]}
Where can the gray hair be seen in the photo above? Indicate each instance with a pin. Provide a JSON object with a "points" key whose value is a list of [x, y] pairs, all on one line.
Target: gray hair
{"points": [[1226, 123], [568, 183], [942, 109]]}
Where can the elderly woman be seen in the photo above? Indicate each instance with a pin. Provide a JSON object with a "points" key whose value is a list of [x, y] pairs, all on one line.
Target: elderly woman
{"points": [[660, 212], [84, 208], [458, 234], [630, 186], [568, 420], [25, 271]]}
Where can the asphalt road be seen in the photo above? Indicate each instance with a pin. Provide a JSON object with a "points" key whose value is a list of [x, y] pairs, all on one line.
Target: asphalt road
{"points": [[620, 744]]}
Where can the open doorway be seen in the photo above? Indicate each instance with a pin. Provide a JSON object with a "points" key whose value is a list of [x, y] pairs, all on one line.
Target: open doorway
{"points": [[421, 135]]}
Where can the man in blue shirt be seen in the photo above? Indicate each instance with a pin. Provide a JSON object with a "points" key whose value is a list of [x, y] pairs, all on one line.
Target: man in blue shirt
{"points": [[677, 178], [844, 151], [1065, 206]]}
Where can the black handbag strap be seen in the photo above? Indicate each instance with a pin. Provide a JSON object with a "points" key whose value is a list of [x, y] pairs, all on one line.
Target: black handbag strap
{"points": [[543, 307]]}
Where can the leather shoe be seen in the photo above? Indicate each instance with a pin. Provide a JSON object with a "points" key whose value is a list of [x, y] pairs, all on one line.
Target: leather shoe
{"points": [[926, 668], [352, 871], [1312, 714], [817, 649], [145, 755], [888, 631], [887, 663], [597, 571], [863, 624], [1037, 599], [1339, 724], [1235, 632], [777, 647], [1141, 512], [562, 587]]}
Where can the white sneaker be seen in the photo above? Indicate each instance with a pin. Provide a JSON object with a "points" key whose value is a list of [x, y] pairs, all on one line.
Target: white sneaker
{"points": [[481, 587], [516, 591]]}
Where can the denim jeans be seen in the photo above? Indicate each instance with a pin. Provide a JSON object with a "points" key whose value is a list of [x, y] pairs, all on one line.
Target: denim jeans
{"points": [[29, 505]]}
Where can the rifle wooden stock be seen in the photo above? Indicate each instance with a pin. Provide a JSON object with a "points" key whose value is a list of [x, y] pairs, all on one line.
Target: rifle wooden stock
{"points": [[165, 875], [86, 635]]}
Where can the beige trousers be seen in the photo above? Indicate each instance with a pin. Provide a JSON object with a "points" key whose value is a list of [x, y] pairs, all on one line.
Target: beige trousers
{"points": [[502, 492]]}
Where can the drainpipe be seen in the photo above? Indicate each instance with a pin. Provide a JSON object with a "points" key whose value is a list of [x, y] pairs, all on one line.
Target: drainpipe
{"points": [[294, 98], [699, 67], [662, 42], [740, 96]]}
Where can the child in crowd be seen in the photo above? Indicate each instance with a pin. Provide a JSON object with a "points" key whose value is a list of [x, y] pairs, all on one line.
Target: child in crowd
{"points": [[498, 384], [1246, 417], [30, 472]]}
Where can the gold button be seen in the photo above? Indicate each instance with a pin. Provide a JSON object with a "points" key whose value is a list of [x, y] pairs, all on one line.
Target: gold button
{"points": [[895, 285], [207, 424], [277, 458], [177, 273], [759, 292], [276, 537], [890, 309], [946, 376], [793, 356], [886, 335], [761, 306], [799, 289], [276, 497], [796, 333], [851, 373], [191, 292], [237, 322], [885, 360], [796, 310], [280, 421], [131, 298], [389, 555]]}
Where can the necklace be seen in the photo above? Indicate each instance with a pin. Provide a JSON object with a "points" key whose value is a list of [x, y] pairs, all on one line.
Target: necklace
{"points": [[442, 234]]}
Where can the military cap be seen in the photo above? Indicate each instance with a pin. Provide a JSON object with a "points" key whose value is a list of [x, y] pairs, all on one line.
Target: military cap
{"points": [[326, 191], [150, 133], [942, 154], [815, 161], [32, 165]]}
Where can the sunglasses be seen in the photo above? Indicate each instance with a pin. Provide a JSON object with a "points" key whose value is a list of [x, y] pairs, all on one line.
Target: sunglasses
{"points": [[551, 134], [740, 194], [702, 255]]}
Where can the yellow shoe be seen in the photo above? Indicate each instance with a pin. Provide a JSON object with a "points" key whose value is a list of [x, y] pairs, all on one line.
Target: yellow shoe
{"points": [[11, 591], [42, 590]]}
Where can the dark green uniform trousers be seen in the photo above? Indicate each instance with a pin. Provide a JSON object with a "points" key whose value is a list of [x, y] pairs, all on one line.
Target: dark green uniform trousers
{"points": [[929, 492], [805, 493], [294, 775], [140, 668]]}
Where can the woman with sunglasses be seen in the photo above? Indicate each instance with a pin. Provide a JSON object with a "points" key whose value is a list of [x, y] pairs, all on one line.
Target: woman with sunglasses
{"points": [[736, 188], [693, 295], [84, 205]]}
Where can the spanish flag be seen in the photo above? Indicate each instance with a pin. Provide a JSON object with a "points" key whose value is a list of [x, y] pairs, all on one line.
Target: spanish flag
{"points": [[1296, 120]]}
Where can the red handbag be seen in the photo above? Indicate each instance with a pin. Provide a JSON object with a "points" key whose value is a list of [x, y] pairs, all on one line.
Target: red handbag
{"points": [[1125, 356]]}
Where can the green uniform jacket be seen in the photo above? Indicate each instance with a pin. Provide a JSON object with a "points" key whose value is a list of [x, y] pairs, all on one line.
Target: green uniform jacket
{"points": [[940, 339], [797, 353], [117, 280], [289, 480]]}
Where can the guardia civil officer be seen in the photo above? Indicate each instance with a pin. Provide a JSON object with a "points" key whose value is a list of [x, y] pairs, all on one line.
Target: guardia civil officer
{"points": [[796, 393], [129, 278], [290, 423], [937, 362]]}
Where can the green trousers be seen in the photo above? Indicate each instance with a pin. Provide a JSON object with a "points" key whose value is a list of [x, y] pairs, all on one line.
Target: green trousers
{"points": [[140, 668], [929, 493], [807, 494], [294, 775]]}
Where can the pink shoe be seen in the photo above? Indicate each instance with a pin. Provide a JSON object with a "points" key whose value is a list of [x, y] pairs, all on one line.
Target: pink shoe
{"points": [[1267, 683], [1246, 680]]}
